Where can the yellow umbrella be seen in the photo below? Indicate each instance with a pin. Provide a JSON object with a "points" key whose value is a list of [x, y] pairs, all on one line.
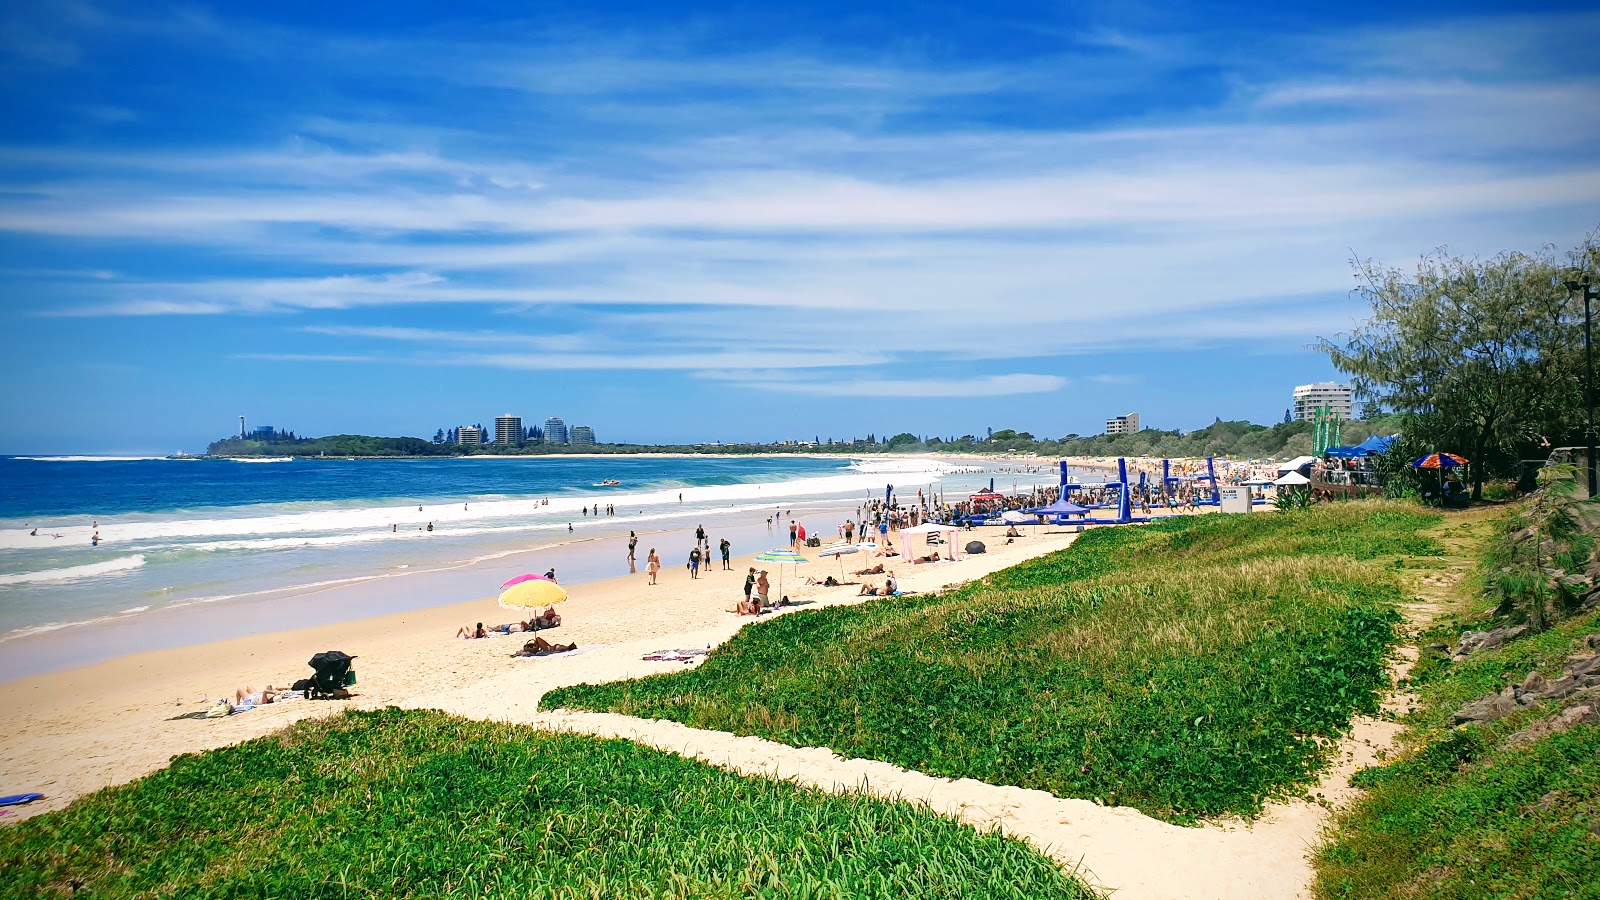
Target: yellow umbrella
{"points": [[533, 593]]}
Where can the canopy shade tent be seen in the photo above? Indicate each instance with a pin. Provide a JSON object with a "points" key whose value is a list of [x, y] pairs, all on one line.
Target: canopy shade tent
{"points": [[1291, 479], [1299, 462], [912, 539], [1062, 507], [1377, 444]]}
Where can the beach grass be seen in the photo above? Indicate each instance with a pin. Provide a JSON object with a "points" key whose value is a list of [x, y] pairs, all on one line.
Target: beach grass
{"points": [[401, 804], [1475, 811], [1190, 668]]}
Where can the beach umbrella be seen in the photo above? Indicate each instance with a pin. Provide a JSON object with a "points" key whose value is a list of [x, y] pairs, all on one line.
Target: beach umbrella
{"points": [[532, 592], [1439, 461], [840, 553], [1017, 517], [780, 556], [521, 578]]}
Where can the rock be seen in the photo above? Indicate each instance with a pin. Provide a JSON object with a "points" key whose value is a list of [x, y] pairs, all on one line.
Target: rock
{"points": [[1532, 684], [1489, 708], [1580, 714], [1437, 648], [1590, 666], [1474, 641], [1592, 642], [1576, 583]]}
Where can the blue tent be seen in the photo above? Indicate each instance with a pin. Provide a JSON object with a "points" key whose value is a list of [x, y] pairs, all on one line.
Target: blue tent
{"points": [[1062, 507], [1372, 446], [1377, 444]]}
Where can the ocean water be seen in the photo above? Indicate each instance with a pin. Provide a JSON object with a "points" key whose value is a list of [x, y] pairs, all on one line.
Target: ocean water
{"points": [[244, 539]]}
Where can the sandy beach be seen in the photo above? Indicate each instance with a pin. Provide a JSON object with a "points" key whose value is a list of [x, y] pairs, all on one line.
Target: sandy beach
{"points": [[73, 732]]}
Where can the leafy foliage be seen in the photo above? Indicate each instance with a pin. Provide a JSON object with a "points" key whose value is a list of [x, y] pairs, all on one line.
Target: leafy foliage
{"points": [[419, 804], [1467, 812], [1187, 668], [1481, 357]]}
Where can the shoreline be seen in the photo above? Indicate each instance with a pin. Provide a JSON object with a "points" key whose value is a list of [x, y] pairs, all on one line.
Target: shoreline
{"points": [[405, 658]]}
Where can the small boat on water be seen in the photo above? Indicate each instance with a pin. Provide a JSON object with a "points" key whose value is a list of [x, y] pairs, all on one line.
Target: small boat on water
{"points": [[610, 482]]}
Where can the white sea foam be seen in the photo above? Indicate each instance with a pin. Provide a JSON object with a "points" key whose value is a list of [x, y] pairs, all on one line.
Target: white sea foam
{"points": [[92, 570], [88, 458], [324, 525], [259, 459]]}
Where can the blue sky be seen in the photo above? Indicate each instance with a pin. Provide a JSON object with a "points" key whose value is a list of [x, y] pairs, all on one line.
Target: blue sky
{"points": [[679, 223]]}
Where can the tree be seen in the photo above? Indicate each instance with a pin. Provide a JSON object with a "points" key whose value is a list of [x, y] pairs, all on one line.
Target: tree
{"points": [[1481, 357], [902, 439]]}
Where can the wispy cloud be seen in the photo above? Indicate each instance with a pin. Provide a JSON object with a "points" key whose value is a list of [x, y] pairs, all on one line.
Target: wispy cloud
{"points": [[845, 384]]}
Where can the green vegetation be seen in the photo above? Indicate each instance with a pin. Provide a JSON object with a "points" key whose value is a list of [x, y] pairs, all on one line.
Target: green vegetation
{"points": [[1482, 357], [1189, 668], [332, 445], [419, 804], [1470, 811], [1502, 807]]}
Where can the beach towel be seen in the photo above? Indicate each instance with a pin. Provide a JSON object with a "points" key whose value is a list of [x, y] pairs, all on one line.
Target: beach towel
{"points": [[581, 650], [16, 799], [675, 655]]}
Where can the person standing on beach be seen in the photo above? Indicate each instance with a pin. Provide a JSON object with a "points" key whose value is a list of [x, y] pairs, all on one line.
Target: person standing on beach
{"points": [[762, 586], [792, 532], [749, 585], [694, 562], [633, 542], [652, 564], [727, 550], [700, 534]]}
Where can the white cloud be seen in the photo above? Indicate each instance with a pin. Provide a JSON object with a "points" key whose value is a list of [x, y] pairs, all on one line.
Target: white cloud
{"points": [[847, 385]]}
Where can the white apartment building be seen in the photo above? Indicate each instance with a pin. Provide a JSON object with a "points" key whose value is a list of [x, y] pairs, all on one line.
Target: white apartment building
{"points": [[582, 436], [1127, 424], [1339, 397], [469, 436]]}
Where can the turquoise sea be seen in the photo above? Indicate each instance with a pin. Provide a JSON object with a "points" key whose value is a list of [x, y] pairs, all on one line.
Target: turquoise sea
{"points": [[204, 549]]}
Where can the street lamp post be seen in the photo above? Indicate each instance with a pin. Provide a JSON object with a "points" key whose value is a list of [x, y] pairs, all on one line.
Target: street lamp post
{"points": [[1585, 284]]}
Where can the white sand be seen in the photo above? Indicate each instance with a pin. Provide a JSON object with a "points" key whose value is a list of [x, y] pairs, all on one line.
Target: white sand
{"points": [[71, 733]]}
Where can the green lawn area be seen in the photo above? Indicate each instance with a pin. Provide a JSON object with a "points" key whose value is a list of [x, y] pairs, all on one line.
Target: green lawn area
{"points": [[395, 804], [1187, 668]]}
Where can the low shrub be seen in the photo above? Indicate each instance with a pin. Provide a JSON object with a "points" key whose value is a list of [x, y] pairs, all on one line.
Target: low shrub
{"points": [[401, 804]]}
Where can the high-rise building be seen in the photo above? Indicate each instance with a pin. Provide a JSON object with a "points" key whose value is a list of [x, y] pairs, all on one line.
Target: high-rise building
{"points": [[1338, 397], [582, 436], [469, 436], [555, 430], [1127, 424], [508, 430]]}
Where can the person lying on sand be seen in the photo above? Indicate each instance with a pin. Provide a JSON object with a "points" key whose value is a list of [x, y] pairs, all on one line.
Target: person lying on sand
{"points": [[875, 570], [247, 697], [747, 607], [547, 619], [830, 581], [541, 647], [870, 590]]}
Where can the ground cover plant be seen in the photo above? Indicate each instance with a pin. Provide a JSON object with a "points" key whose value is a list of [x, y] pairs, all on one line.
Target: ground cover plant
{"points": [[1189, 668], [419, 804], [1478, 810]]}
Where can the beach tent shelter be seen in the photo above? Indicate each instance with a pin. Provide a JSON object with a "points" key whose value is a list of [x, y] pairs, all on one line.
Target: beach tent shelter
{"points": [[1292, 479], [1296, 464], [914, 542]]}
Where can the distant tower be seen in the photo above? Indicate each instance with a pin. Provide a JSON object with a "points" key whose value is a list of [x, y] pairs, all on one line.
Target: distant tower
{"points": [[241, 426]]}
